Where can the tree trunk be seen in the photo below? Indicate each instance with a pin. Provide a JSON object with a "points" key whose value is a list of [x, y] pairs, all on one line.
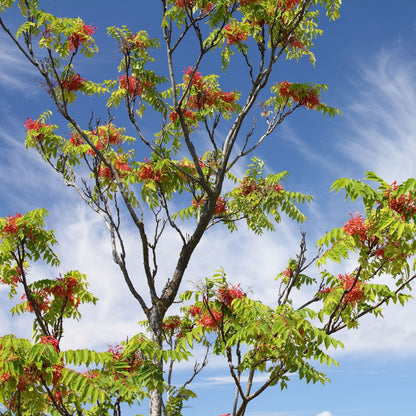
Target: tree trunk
{"points": [[155, 325], [155, 403], [242, 409]]}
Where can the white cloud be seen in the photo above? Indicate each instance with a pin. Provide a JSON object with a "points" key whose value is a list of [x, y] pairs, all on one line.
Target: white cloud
{"points": [[247, 259], [325, 413], [16, 73], [380, 135], [308, 151], [26, 181], [224, 380], [395, 334], [381, 130]]}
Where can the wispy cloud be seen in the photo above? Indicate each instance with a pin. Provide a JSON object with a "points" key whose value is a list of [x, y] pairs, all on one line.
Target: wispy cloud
{"points": [[309, 152], [223, 380], [380, 130], [291, 413], [379, 134], [25, 180], [245, 258], [15, 72]]}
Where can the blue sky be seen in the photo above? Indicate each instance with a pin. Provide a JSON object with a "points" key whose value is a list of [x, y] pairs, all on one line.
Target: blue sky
{"points": [[368, 60]]}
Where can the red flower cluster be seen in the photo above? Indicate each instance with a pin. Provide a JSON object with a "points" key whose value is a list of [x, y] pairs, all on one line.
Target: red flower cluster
{"points": [[355, 290], [189, 168], [56, 374], [325, 290], [356, 227], [198, 203], [185, 3], [287, 4], [247, 2], [58, 395], [130, 44], [116, 351], [65, 290], [227, 294], [41, 301], [78, 38], [382, 252], [195, 310], [220, 205], [171, 324], [49, 339], [76, 140], [120, 165], [403, 204], [30, 375], [278, 188], [147, 172], [14, 279], [296, 44], [134, 361], [208, 98], [173, 116], [306, 98], [105, 172], [73, 83], [35, 125], [91, 374], [203, 96], [189, 114], [235, 35], [196, 77], [248, 186], [133, 85], [11, 227], [208, 7], [210, 320], [5, 376], [103, 136]]}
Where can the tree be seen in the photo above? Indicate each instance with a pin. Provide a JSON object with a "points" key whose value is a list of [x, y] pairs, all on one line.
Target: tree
{"points": [[98, 162]]}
